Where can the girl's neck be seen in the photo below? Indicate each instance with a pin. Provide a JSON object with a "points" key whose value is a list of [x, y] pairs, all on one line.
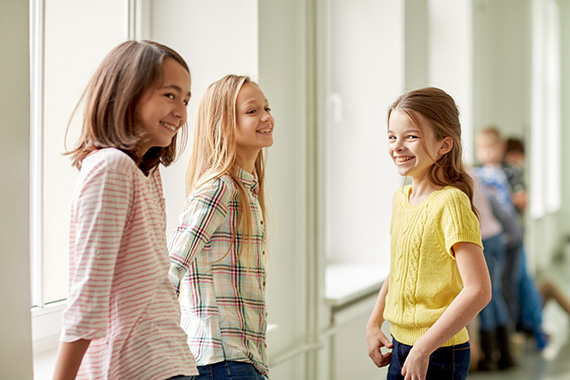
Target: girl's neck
{"points": [[421, 190], [246, 161]]}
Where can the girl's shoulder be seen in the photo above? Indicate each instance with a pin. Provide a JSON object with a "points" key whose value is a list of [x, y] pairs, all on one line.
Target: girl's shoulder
{"points": [[452, 200], [453, 193], [219, 187], [109, 159]]}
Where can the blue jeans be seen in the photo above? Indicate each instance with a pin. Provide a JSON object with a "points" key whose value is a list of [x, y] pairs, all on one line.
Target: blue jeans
{"points": [[181, 377], [496, 313], [229, 371], [445, 363], [530, 316]]}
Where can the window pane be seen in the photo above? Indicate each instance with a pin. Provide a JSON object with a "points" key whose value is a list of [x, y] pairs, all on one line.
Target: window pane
{"points": [[78, 34]]}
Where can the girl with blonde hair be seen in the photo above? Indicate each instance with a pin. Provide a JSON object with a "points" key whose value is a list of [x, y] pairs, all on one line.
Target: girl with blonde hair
{"points": [[218, 250]]}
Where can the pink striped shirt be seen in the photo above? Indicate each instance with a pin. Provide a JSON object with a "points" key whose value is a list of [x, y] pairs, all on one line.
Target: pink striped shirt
{"points": [[120, 297]]}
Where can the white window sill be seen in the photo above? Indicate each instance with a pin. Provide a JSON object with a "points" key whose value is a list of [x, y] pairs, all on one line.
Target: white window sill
{"points": [[348, 282], [46, 328]]}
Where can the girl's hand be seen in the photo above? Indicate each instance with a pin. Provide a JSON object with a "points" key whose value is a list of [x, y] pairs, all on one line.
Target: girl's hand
{"points": [[375, 339], [416, 366]]}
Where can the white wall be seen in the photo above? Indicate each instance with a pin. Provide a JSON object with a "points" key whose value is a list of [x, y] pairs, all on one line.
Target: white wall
{"points": [[451, 59], [15, 325]]}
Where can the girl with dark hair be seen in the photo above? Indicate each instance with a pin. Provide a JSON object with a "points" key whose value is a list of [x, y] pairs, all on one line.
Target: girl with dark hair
{"points": [[122, 319]]}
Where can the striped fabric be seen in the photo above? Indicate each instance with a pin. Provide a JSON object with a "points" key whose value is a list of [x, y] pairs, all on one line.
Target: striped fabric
{"points": [[222, 296], [120, 296]]}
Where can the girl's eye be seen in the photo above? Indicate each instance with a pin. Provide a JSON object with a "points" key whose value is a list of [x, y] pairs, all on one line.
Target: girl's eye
{"points": [[391, 138], [252, 111], [268, 109], [411, 137], [186, 102], [170, 96]]}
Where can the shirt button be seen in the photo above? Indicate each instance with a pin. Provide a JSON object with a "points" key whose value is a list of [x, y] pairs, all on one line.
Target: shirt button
{"points": [[261, 221], [263, 252]]}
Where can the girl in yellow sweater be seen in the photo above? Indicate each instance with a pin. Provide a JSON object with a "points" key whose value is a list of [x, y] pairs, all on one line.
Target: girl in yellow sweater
{"points": [[438, 278]]}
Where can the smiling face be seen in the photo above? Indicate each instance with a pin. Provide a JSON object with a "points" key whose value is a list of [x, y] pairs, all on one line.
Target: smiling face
{"points": [[161, 111], [254, 129], [413, 149]]}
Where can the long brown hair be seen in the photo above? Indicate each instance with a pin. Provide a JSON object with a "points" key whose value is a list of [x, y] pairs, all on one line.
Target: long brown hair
{"points": [[111, 98], [441, 113], [214, 146]]}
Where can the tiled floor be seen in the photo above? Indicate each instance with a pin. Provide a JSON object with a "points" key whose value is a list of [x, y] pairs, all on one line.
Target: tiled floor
{"points": [[554, 362]]}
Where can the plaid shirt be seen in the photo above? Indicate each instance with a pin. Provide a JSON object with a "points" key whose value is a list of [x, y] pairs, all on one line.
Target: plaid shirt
{"points": [[222, 296]]}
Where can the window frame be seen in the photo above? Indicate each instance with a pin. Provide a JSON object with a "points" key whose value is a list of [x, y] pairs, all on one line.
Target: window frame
{"points": [[47, 316]]}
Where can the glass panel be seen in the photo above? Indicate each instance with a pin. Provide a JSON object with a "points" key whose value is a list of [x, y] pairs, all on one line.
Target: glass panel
{"points": [[365, 67], [78, 34]]}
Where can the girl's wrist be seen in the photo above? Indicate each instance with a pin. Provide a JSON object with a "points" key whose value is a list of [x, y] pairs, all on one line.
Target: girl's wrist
{"points": [[374, 323]]}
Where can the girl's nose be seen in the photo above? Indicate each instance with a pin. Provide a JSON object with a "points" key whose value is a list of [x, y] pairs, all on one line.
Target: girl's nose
{"points": [[180, 110], [266, 116]]}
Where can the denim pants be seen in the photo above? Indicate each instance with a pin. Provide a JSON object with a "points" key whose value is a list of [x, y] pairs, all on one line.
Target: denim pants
{"points": [[445, 363], [530, 316], [496, 313], [229, 370], [181, 377]]}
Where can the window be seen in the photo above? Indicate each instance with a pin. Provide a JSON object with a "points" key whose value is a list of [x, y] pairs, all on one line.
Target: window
{"points": [[546, 171], [364, 73], [68, 40]]}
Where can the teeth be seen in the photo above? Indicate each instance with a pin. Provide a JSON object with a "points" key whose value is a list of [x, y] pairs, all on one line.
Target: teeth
{"points": [[403, 159], [169, 126], [266, 130]]}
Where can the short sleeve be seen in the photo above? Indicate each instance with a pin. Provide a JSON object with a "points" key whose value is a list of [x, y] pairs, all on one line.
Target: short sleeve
{"points": [[458, 221]]}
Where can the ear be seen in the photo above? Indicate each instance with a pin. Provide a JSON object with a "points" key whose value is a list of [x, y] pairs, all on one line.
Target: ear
{"points": [[445, 145]]}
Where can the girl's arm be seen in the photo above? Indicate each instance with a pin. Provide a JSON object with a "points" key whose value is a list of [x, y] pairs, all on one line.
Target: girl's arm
{"points": [[474, 296], [69, 356], [375, 338], [204, 212]]}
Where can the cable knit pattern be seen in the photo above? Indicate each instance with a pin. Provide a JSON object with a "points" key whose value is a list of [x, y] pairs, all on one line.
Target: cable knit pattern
{"points": [[424, 278]]}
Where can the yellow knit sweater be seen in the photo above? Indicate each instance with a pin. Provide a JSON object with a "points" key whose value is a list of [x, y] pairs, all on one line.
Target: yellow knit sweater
{"points": [[424, 277]]}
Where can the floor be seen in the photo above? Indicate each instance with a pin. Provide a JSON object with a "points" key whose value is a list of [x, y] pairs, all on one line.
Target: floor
{"points": [[554, 362]]}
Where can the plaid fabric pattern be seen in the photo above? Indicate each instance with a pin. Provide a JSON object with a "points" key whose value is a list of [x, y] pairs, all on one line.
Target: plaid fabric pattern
{"points": [[221, 288]]}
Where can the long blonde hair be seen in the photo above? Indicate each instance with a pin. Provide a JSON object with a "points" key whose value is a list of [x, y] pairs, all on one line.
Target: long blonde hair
{"points": [[214, 146]]}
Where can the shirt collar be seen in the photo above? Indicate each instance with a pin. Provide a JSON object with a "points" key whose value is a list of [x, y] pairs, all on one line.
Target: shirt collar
{"points": [[249, 180]]}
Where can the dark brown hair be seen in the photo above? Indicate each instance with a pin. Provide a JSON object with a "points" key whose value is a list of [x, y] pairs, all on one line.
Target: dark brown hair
{"points": [[441, 113], [111, 98], [514, 145]]}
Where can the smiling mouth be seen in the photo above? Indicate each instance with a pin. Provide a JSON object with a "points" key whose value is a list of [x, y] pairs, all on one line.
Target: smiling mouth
{"points": [[402, 159], [171, 127], [266, 130]]}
